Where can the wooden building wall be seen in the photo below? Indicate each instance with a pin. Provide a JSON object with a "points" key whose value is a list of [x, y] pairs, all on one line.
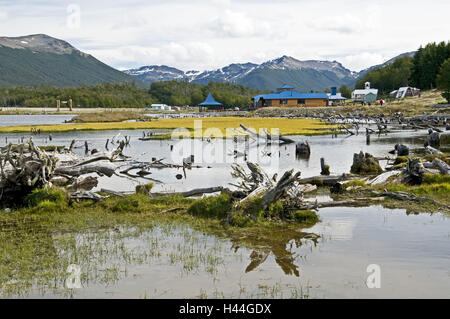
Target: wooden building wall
{"points": [[294, 103]]}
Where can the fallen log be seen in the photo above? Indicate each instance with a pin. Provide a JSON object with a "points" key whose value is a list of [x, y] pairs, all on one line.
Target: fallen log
{"points": [[268, 137], [410, 197], [193, 192], [101, 170], [443, 167]]}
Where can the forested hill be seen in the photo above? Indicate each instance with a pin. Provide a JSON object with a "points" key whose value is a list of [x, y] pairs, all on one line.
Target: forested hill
{"points": [[420, 70], [43, 60], [127, 95]]}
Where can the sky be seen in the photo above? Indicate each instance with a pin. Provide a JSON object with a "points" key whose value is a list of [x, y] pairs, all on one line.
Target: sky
{"points": [[205, 35]]}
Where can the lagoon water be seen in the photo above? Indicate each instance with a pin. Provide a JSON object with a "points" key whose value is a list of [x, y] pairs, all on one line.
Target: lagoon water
{"points": [[328, 260], [217, 156], [33, 119], [411, 251]]}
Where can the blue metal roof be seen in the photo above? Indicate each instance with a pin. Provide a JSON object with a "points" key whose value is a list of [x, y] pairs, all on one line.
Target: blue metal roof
{"points": [[291, 95], [210, 101]]}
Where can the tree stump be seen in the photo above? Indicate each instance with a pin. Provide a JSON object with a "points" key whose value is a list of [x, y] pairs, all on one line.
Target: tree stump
{"points": [[402, 150], [434, 139], [365, 164], [414, 171], [325, 169]]}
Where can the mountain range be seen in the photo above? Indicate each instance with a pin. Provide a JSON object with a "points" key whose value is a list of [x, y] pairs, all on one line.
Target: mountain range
{"points": [[303, 75], [42, 60]]}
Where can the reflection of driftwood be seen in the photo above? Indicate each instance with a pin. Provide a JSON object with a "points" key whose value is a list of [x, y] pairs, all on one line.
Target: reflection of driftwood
{"points": [[281, 248]]}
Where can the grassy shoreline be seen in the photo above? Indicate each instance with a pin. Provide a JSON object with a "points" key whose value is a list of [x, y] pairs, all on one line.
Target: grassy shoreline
{"points": [[286, 126]]}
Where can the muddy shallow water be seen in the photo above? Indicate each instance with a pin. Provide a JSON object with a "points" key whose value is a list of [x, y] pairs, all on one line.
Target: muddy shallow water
{"points": [[216, 157], [326, 261], [33, 119]]}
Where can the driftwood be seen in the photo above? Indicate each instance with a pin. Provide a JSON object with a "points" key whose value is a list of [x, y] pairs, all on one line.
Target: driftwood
{"points": [[410, 197], [87, 195], [443, 167], [414, 171], [356, 202], [432, 150], [258, 184], [267, 136], [193, 192], [324, 180], [25, 166]]}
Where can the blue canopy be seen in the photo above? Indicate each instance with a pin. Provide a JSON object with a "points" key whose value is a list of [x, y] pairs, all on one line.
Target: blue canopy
{"points": [[210, 101]]}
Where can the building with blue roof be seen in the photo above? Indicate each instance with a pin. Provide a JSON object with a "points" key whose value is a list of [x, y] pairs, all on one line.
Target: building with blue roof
{"points": [[286, 96], [210, 102]]}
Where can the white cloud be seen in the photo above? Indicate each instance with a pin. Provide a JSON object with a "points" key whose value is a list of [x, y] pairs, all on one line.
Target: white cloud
{"points": [[172, 54], [3, 15], [363, 21], [361, 61], [239, 24], [202, 34]]}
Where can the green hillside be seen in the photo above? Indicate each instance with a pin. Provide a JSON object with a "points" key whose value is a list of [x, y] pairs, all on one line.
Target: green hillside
{"points": [[23, 67], [303, 79]]}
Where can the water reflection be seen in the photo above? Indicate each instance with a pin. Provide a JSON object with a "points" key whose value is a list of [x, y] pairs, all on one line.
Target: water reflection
{"points": [[280, 243], [337, 228]]}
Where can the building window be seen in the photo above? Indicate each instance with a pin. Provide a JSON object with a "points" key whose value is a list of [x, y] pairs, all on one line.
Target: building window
{"points": [[301, 102], [283, 101]]}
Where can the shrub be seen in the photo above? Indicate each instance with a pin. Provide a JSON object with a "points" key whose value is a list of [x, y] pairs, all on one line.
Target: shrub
{"points": [[49, 194], [401, 160], [305, 216], [144, 188], [212, 207]]}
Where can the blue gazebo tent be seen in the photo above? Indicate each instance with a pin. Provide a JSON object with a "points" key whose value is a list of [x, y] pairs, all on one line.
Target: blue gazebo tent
{"points": [[210, 101]]}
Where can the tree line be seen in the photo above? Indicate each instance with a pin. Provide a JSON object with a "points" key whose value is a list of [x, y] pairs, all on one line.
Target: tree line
{"points": [[428, 69], [127, 95]]}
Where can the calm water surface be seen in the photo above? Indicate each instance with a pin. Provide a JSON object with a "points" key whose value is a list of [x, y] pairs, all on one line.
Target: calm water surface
{"points": [[328, 260]]}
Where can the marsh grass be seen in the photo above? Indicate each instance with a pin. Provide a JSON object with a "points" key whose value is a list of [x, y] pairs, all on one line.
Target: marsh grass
{"points": [[108, 237], [286, 126]]}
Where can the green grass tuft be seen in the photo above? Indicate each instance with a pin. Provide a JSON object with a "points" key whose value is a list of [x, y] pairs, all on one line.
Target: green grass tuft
{"points": [[48, 194], [305, 216], [212, 207]]}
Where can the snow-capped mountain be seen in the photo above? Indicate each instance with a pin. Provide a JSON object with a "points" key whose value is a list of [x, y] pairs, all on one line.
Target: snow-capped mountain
{"points": [[303, 75], [156, 73]]}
